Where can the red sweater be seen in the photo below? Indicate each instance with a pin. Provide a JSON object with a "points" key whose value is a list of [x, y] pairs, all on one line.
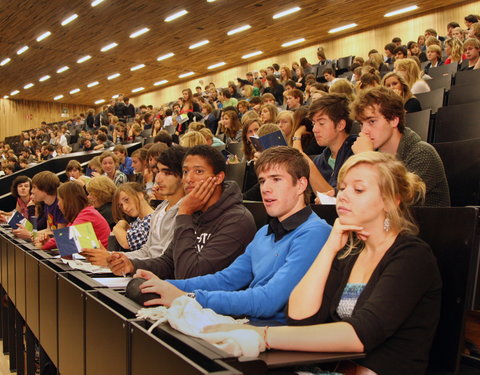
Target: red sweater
{"points": [[88, 214]]}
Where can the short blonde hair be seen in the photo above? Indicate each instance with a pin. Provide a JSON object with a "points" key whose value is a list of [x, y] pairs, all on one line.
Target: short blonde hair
{"points": [[103, 188], [192, 138], [410, 68]]}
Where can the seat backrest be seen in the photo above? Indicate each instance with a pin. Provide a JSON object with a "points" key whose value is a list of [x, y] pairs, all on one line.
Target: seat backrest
{"points": [[344, 63], [460, 94], [461, 160], [442, 81], [419, 122], [235, 148], [236, 172], [442, 69], [467, 77], [432, 100], [457, 122]]}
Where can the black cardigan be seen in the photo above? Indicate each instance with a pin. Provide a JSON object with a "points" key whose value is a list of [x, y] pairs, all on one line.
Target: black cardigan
{"points": [[397, 313]]}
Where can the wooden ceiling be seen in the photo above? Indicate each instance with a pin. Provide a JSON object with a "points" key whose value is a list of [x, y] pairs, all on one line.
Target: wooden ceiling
{"points": [[114, 20]]}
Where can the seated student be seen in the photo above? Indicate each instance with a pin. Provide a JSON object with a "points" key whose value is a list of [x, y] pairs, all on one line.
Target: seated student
{"points": [[100, 190], [139, 164], [87, 144], [192, 138], [20, 189], [73, 202], [381, 113], [130, 200], [102, 142], [125, 161], [109, 162], [294, 99], [434, 56], [74, 173], [212, 226], [331, 126], [285, 123], [168, 186], [249, 129], [398, 84], [232, 127], [400, 52], [410, 71], [375, 283], [257, 284], [471, 48]]}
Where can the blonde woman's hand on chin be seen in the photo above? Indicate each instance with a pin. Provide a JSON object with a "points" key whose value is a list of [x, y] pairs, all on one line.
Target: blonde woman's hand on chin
{"points": [[339, 235]]}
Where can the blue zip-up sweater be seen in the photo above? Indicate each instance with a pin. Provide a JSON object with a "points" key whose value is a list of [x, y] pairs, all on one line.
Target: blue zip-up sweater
{"points": [[258, 283]]}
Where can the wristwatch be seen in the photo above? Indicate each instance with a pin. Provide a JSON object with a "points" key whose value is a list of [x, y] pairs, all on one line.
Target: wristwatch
{"points": [[190, 295], [297, 138]]}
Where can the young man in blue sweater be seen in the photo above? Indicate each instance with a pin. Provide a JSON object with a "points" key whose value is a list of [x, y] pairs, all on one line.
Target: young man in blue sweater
{"points": [[258, 283]]}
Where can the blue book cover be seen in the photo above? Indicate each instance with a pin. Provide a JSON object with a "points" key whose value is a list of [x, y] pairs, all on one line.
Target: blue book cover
{"points": [[18, 218], [73, 239], [269, 140]]}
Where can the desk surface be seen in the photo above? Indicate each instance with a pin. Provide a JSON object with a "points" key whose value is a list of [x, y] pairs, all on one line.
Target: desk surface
{"points": [[279, 358]]}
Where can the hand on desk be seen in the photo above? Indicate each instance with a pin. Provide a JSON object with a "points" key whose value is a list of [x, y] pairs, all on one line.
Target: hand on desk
{"points": [[166, 291], [119, 264], [98, 257]]}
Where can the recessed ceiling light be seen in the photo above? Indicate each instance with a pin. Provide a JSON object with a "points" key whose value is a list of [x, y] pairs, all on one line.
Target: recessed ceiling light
{"points": [[14, 92], [176, 15], [45, 35], [5, 61], [22, 50], [166, 56], [139, 32], [115, 96], [74, 91], [286, 12], [138, 89], [99, 101], [239, 29], [5, 96], [109, 47], [66, 21], [210, 1], [58, 97], [62, 69], [292, 42], [183, 75], [113, 76], [256, 53], [163, 81], [91, 84], [96, 2], [217, 65], [83, 59], [199, 44], [28, 85], [136, 67], [341, 28], [400, 11], [44, 78]]}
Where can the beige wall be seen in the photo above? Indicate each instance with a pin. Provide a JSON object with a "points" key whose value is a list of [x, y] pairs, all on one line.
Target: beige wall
{"points": [[357, 44], [18, 115]]}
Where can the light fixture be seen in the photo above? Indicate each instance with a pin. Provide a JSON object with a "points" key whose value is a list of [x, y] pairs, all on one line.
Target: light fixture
{"points": [[99, 101], [341, 28], [113, 76], [5, 61], [248, 55], [66, 21], [166, 56], [45, 35], [138, 89], [210, 1], [5, 96], [44, 78], [109, 47], [183, 75], [58, 97], [176, 15], [28, 85], [199, 44], [139, 32], [286, 12], [22, 50], [96, 2], [91, 84], [292, 42], [136, 67], [163, 81], [239, 29], [15, 92], [62, 69], [83, 59], [115, 96], [400, 11], [74, 91], [217, 65]]}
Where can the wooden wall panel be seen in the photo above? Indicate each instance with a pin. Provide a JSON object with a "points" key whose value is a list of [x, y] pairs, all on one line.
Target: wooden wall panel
{"points": [[18, 115], [357, 44]]}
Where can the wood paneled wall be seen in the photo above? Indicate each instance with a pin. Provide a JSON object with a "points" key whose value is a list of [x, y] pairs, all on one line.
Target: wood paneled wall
{"points": [[356, 43], [18, 115]]}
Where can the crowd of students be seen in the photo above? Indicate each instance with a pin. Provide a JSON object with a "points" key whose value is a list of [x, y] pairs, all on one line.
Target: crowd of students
{"points": [[167, 214]]}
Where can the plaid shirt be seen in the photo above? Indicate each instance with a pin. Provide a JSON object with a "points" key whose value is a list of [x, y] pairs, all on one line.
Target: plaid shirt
{"points": [[137, 234]]}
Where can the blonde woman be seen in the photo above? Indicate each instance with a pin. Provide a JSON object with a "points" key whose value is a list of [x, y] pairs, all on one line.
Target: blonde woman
{"points": [[395, 82], [454, 51], [285, 123], [410, 71]]}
